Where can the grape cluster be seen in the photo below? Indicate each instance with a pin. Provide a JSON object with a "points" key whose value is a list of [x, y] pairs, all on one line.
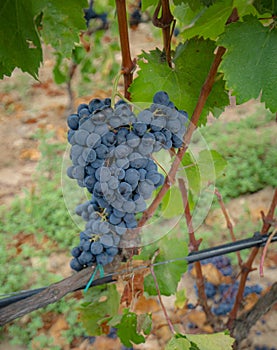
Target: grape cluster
{"points": [[135, 17], [223, 295], [111, 157], [90, 14]]}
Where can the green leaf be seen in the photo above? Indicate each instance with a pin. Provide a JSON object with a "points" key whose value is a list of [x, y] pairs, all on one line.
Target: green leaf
{"points": [[217, 341], [210, 21], [211, 165], [59, 71], [172, 203], [184, 14], [144, 323], [168, 275], [180, 298], [266, 6], [178, 344], [202, 170], [101, 303], [191, 172], [193, 4], [147, 3], [62, 21], [251, 70], [183, 83], [19, 40], [127, 329]]}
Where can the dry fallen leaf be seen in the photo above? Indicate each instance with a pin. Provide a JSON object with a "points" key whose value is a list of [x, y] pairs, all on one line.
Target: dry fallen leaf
{"points": [[199, 319], [30, 154], [212, 275], [144, 305]]}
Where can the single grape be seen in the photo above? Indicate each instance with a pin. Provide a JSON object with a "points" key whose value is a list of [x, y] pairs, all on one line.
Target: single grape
{"points": [[73, 121], [96, 248]]}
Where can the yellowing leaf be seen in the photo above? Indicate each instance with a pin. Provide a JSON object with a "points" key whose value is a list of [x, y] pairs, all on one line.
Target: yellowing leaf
{"points": [[217, 341]]}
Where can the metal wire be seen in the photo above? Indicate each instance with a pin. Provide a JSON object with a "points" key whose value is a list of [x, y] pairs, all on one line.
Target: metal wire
{"points": [[257, 240]]}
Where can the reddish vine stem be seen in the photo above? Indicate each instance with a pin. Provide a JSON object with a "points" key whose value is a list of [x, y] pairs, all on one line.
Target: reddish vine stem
{"points": [[246, 268], [265, 251], [194, 245], [228, 221], [170, 325], [193, 242], [128, 65], [164, 22], [205, 91]]}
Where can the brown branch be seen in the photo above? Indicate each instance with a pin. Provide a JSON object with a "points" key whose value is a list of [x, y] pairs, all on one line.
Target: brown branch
{"points": [[270, 215], [170, 325], [205, 91], [243, 324], [228, 221], [48, 296], [72, 70], [193, 242], [246, 268], [128, 65], [194, 245]]}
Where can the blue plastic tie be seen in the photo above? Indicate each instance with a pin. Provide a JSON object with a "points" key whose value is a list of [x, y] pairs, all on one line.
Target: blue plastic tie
{"points": [[91, 279], [101, 272]]}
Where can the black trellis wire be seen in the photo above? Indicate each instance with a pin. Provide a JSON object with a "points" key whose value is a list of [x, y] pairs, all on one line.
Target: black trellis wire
{"points": [[257, 240]]}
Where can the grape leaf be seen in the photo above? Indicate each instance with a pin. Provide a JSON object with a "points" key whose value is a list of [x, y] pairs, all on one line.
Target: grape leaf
{"points": [[19, 40], [210, 21], [191, 172], [183, 83], [251, 70], [178, 344], [144, 323], [266, 6], [184, 14], [62, 21], [202, 170], [172, 203], [168, 275], [193, 4], [181, 299], [211, 165], [127, 329], [147, 3], [101, 303], [217, 341]]}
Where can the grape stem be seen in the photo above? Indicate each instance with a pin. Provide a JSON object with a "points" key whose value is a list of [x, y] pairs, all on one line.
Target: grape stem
{"points": [[228, 221], [164, 22], [265, 251], [115, 85], [194, 245], [128, 65], [170, 325], [246, 268]]}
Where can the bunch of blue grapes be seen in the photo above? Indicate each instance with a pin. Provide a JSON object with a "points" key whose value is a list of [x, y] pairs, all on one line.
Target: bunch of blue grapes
{"points": [[223, 295], [111, 156], [90, 14]]}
